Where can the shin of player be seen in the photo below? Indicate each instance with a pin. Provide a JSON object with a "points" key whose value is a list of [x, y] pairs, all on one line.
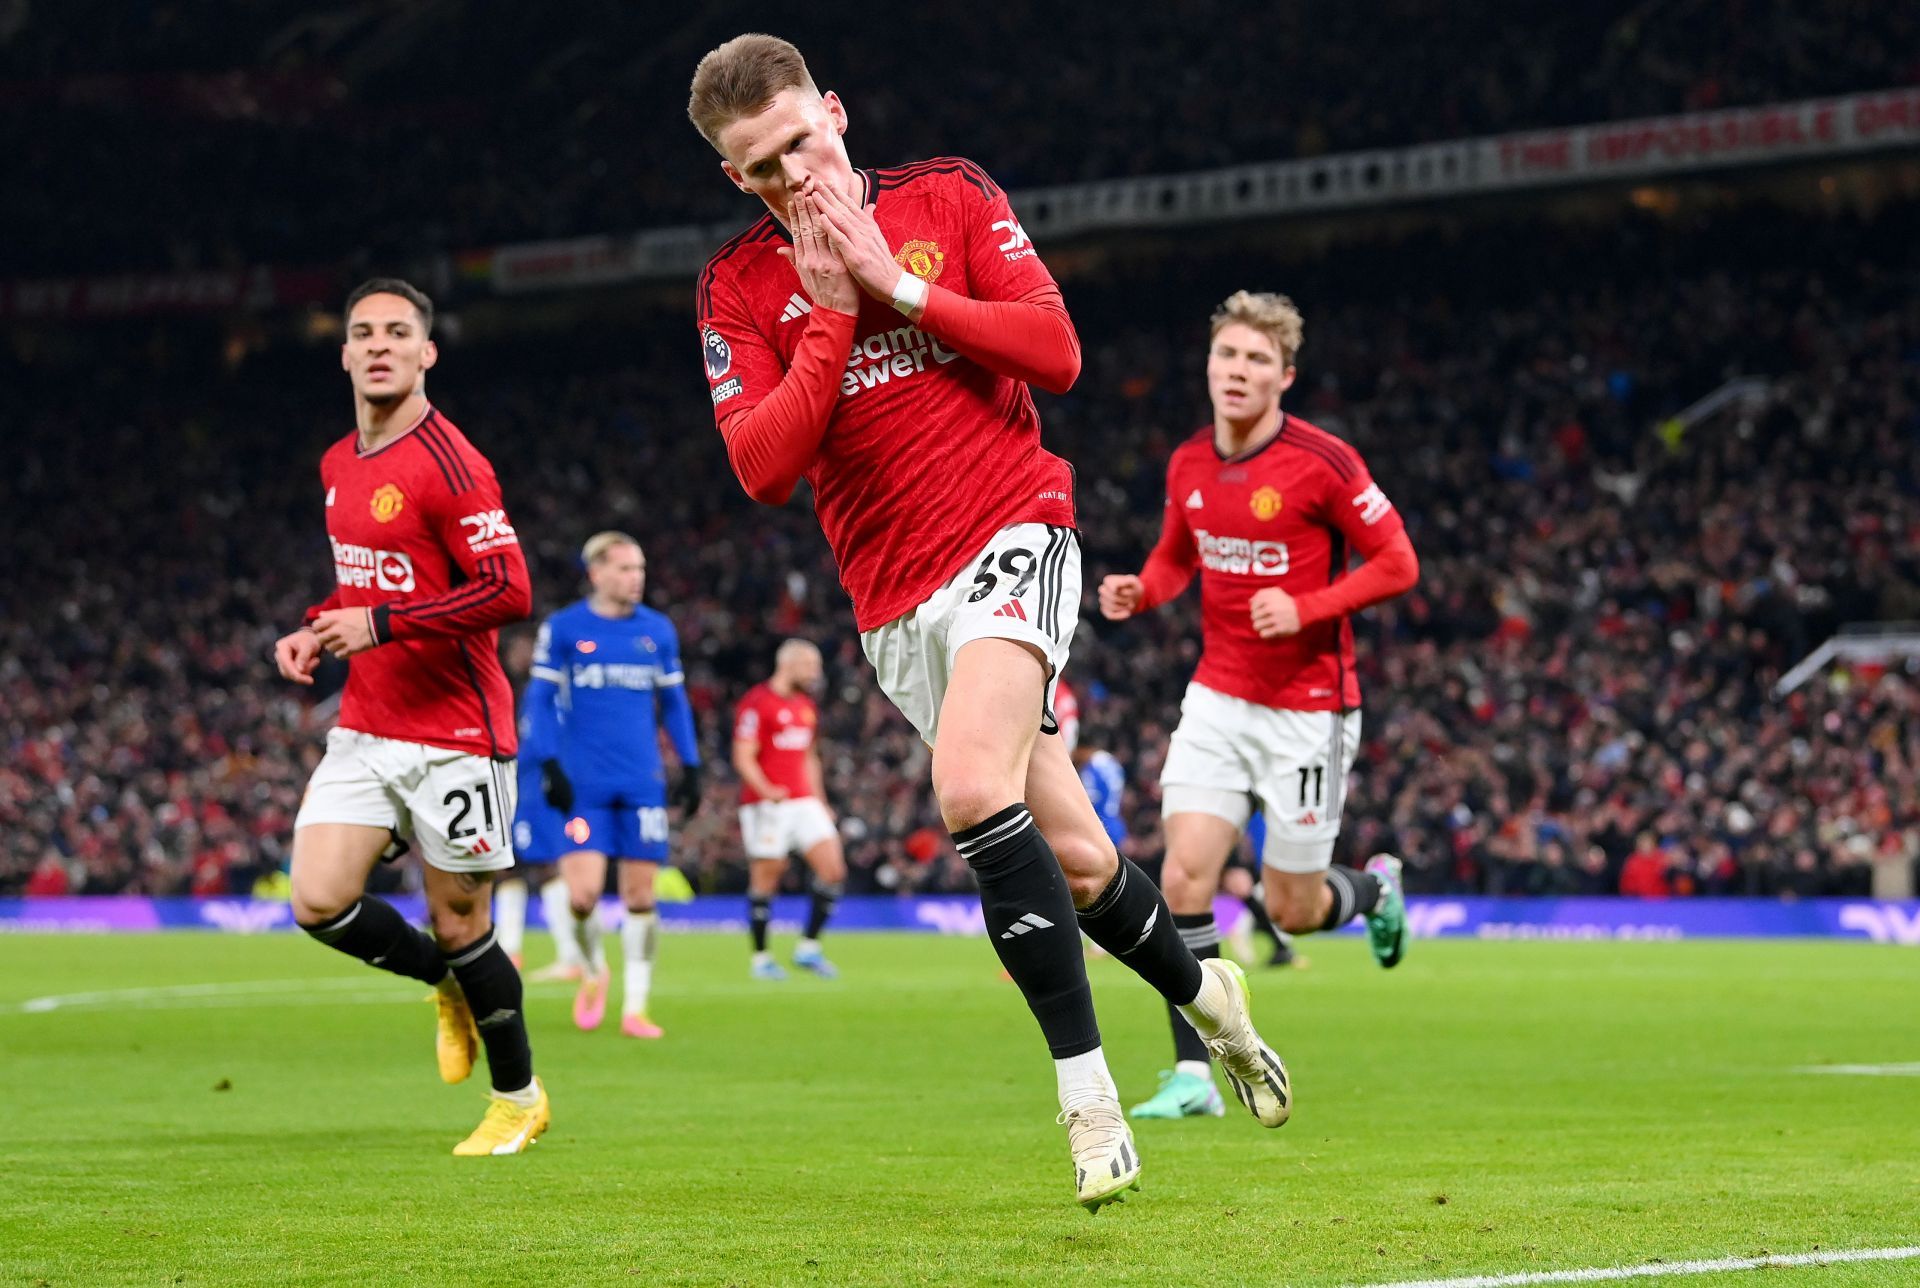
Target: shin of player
{"points": [[906, 310], [606, 678], [1265, 507], [783, 805], [425, 557]]}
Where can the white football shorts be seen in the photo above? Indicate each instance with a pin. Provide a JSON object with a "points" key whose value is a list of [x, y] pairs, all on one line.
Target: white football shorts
{"points": [[775, 829], [1024, 586], [1229, 753], [455, 807]]}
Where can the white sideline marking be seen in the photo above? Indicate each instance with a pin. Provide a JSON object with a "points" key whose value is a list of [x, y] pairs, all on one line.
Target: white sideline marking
{"points": [[1603, 1273], [331, 991], [1866, 1070]]}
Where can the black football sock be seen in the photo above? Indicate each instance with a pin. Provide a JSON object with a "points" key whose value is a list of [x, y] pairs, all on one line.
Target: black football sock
{"points": [[1200, 935], [826, 896], [1029, 914], [759, 914], [1257, 905], [378, 935], [492, 986], [1354, 895], [1130, 920]]}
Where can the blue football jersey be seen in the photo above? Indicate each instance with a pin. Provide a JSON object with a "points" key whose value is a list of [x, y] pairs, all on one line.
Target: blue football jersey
{"points": [[602, 689], [1106, 784]]}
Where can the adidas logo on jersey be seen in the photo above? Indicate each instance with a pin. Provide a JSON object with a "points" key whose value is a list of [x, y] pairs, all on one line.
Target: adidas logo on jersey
{"points": [[1011, 609], [1030, 922], [797, 306], [1193, 500]]}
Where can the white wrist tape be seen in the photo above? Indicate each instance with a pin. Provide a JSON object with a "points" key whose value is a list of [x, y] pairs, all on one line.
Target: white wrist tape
{"points": [[909, 293]]}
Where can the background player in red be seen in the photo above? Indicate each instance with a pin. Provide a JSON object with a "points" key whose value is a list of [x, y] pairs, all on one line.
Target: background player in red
{"points": [[874, 333], [428, 568], [1265, 507], [783, 804]]}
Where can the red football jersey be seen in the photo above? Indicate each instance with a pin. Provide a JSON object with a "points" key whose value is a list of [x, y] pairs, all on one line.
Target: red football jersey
{"points": [[1066, 713], [784, 729], [1285, 514], [420, 536], [927, 453]]}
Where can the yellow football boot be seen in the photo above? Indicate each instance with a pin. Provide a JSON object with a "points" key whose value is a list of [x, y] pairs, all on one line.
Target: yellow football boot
{"points": [[457, 1041], [508, 1128]]}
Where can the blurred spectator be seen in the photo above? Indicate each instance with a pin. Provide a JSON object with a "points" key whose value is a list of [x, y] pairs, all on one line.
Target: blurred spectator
{"points": [[1590, 654]]}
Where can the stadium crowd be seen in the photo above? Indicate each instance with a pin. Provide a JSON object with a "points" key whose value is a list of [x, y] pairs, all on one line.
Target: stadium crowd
{"points": [[1576, 698], [189, 106]]}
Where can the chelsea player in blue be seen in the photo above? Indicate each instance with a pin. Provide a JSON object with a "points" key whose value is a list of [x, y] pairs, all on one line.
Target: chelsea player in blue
{"points": [[606, 680]]}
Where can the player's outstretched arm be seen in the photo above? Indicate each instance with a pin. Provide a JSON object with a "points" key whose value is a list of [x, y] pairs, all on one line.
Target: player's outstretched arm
{"points": [[1170, 567], [1391, 570]]}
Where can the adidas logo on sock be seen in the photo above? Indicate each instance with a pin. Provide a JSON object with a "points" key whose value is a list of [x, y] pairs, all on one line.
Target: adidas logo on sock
{"points": [[1011, 609], [797, 306], [1032, 921]]}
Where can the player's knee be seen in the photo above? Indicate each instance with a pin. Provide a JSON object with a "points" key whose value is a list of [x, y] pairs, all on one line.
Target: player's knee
{"points": [[832, 868], [317, 902], [458, 921], [968, 797], [1087, 864], [1295, 916], [1187, 889]]}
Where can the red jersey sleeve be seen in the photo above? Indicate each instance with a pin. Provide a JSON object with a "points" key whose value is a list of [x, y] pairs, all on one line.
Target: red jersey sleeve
{"points": [[472, 526], [772, 417], [1013, 320], [1352, 504], [746, 721], [1174, 559], [332, 600]]}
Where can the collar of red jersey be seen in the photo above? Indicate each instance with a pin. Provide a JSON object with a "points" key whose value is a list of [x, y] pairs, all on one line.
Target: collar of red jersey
{"points": [[363, 454]]}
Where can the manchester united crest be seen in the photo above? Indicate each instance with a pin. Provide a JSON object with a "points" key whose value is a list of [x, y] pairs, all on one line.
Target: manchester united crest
{"points": [[386, 503], [924, 259], [1266, 503]]}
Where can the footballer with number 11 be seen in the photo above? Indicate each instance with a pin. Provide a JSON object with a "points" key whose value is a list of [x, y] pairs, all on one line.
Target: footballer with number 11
{"points": [[874, 333], [428, 570], [1265, 507]]}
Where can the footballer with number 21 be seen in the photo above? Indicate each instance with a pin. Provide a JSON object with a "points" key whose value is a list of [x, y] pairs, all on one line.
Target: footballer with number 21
{"points": [[875, 333], [428, 569]]}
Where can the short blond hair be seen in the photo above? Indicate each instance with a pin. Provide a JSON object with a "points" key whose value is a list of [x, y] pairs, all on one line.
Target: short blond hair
{"points": [[740, 78], [600, 543], [1273, 316]]}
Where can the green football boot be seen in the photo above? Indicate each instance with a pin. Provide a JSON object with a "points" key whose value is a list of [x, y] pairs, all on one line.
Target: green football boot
{"points": [[1387, 924], [1182, 1095]]}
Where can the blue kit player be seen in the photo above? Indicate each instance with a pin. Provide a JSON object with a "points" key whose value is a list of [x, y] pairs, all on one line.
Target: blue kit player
{"points": [[606, 681], [539, 839]]}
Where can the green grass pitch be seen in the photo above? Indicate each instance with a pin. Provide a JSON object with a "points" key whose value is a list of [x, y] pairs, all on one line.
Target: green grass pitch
{"points": [[261, 1110]]}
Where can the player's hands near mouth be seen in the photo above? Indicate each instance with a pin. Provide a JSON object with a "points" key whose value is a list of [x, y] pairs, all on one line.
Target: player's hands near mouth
{"points": [[859, 241], [1274, 613], [345, 631], [1120, 596], [823, 274], [297, 655]]}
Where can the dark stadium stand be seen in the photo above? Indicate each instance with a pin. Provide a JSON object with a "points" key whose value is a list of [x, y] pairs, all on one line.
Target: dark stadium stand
{"points": [[261, 133]]}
